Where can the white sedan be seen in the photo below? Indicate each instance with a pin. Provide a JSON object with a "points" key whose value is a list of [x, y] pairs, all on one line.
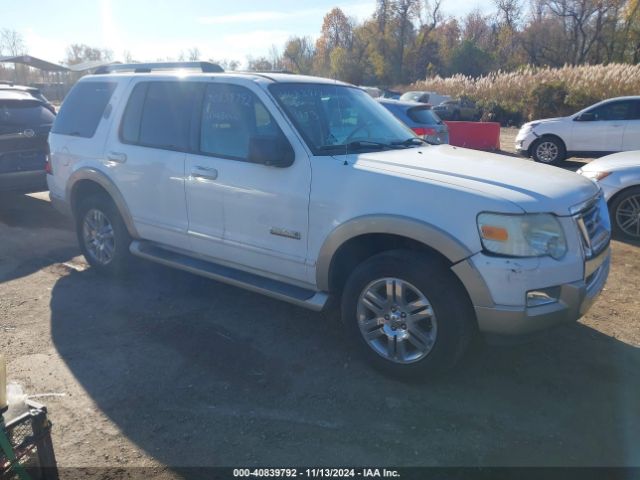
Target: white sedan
{"points": [[606, 127], [619, 177]]}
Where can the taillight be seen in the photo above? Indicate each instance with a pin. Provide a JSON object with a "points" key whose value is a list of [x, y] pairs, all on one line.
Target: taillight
{"points": [[424, 132], [47, 164]]}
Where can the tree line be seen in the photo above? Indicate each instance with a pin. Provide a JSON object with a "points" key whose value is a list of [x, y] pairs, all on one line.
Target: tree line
{"points": [[409, 40], [405, 41]]}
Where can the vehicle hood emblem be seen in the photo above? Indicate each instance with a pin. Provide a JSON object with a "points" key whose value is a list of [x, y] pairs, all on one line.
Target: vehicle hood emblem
{"points": [[29, 133]]}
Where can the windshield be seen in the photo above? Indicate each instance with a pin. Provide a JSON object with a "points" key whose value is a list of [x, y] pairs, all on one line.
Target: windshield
{"points": [[331, 117]]}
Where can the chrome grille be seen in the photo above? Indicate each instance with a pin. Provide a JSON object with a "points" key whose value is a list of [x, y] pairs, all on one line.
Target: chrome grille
{"points": [[595, 227]]}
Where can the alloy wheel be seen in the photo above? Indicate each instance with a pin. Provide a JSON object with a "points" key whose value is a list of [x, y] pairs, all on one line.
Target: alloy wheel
{"points": [[98, 236], [628, 216], [397, 320], [547, 152]]}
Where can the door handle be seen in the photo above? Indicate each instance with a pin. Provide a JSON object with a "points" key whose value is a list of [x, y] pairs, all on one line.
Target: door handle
{"points": [[207, 173], [117, 157]]}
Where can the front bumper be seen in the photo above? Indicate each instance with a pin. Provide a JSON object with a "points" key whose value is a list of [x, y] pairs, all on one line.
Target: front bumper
{"points": [[574, 300], [523, 143]]}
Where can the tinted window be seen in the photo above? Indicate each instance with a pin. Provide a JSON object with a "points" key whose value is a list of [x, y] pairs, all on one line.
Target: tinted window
{"points": [[231, 115], [166, 115], [624, 110], [83, 108], [424, 115], [636, 113], [24, 113], [130, 127]]}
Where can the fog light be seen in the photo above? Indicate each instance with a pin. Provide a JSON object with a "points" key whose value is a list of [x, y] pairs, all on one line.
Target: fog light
{"points": [[544, 296]]}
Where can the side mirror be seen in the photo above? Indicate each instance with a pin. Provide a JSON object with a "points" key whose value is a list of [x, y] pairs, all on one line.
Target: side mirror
{"points": [[586, 117], [272, 151]]}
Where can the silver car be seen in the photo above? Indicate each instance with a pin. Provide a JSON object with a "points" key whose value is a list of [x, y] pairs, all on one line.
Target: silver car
{"points": [[619, 177], [420, 118]]}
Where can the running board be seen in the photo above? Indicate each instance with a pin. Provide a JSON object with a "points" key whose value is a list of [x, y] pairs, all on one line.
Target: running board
{"points": [[238, 278]]}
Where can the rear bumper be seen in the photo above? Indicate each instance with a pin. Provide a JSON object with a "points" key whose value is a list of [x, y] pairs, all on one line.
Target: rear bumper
{"points": [[23, 182], [573, 302]]}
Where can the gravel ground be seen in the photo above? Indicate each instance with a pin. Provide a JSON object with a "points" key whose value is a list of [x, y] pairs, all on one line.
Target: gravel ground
{"points": [[169, 369]]}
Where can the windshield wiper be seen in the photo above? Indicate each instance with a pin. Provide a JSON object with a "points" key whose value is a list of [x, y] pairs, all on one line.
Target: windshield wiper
{"points": [[413, 141], [359, 145]]}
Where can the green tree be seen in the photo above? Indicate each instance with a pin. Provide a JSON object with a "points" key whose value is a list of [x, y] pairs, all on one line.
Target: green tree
{"points": [[470, 60]]}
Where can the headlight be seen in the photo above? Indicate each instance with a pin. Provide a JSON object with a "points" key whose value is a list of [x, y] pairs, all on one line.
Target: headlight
{"points": [[596, 176], [528, 127], [530, 235]]}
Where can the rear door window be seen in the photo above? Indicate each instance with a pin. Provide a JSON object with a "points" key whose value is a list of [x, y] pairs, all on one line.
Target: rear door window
{"points": [[83, 108], [167, 114], [160, 115]]}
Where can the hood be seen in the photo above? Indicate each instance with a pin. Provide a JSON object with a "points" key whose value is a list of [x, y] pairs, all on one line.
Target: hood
{"points": [[533, 187], [544, 120], [617, 161]]}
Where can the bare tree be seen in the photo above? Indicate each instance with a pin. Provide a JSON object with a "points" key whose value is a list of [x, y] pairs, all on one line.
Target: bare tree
{"points": [[194, 54], [81, 53], [11, 43], [510, 12]]}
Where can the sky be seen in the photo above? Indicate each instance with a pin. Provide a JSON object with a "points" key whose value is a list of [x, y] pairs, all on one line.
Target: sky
{"points": [[159, 29]]}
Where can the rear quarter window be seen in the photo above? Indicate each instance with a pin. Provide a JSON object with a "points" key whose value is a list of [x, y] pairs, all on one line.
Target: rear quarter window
{"points": [[83, 108], [424, 115]]}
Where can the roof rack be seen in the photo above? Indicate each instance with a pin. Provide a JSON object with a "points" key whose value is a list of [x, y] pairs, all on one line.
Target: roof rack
{"points": [[204, 67], [288, 72]]}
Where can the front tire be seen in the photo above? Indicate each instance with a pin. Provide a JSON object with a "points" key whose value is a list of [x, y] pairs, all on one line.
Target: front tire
{"points": [[625, 214], [407, 313], [548, 150], [102, 235]]}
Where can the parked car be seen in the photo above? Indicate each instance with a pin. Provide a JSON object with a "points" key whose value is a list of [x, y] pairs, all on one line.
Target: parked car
{"points": [[420, 118], [375, 92], [307, 190], [619, 177], [34, 92], [391, 94], [606, 127], [24, 125], [424, 97], [458, 110]]}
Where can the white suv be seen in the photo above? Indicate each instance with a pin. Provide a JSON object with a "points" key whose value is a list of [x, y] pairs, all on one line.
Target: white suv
{"points": [[606, 127], [307, 190]]}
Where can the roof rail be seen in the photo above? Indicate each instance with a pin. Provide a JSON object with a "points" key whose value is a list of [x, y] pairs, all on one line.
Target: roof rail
{"points": [[204, 67], [265, 72]]}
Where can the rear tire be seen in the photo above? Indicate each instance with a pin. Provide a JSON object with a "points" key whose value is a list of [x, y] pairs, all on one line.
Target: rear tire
{"points": [[548, 150], [102, 235], [624, 211], [408, 314]]}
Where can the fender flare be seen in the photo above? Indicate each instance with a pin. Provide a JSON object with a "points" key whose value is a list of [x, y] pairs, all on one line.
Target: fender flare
{"points": [[109, 186], [425, 233]]}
